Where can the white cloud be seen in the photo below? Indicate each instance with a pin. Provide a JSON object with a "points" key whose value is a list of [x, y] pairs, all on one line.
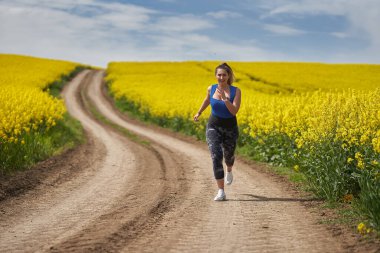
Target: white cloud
{"points": [[340, 35], [51, 31], [362, 16], [94, 32], [223, 14], [181, 23], [308, 7], [282, 29], [196, 47]]}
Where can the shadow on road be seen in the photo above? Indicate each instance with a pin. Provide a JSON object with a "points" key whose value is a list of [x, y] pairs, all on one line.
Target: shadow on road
{"points": [[263, 198]]}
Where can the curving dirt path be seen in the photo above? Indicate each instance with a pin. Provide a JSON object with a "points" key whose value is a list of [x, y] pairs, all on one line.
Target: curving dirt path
{"points": [[154, 195]]}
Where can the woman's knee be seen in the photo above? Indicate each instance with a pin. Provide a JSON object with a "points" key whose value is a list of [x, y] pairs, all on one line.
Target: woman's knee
{"points": [[219, 173]]}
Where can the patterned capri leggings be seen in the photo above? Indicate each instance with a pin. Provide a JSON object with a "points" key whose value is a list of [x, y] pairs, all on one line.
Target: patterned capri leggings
{"points": [[221, 141]]}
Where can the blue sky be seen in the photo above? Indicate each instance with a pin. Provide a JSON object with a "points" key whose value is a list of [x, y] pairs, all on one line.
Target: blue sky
{"points": [[97, 32]]}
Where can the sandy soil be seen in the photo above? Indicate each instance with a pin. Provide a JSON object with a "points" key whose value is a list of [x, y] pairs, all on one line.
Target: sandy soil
{"points": [[113, 194]]}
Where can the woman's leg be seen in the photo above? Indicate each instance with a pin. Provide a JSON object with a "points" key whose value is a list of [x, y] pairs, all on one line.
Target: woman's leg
{"points": [[214, 141], [229, 146], [220, 183]]}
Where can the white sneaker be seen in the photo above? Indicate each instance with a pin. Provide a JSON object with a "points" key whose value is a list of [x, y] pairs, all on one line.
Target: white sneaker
{"points": [[229, 178], [220, 196]]}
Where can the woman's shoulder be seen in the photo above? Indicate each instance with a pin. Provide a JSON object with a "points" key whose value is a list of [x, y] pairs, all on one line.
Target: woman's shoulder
{"points": [[211, 86], [235, 88], [236, 91]]}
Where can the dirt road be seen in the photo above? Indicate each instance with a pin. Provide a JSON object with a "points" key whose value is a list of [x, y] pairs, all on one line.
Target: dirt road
{"points": [[153, 195]]}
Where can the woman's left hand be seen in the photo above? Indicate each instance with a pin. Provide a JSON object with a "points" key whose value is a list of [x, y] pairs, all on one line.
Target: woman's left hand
{"points": [[222, 95]]}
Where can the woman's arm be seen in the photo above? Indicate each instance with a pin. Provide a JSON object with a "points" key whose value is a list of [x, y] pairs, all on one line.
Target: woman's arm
{"points": [[235, 105], [206, 102]]}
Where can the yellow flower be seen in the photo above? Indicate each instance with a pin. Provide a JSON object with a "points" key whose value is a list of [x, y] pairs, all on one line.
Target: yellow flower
{"points": [[360, 164], [349, 160], [358, 155], [362, 228], [296, 168]]}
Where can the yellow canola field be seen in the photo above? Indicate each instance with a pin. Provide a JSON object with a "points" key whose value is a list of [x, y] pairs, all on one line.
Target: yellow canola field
{"points": [[166, 89], [24, 107], [349, 116], [306, 101], [289, 77]]}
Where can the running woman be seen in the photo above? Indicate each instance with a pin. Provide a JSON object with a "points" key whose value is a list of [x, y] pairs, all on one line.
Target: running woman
{"points": [[222, 129]]}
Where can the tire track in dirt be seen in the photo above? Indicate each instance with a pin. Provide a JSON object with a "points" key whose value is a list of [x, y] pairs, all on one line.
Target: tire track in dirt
{"points": [[260, 216]]}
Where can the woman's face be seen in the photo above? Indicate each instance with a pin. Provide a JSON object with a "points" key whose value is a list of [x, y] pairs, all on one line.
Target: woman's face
{"points": [[222, 76]]}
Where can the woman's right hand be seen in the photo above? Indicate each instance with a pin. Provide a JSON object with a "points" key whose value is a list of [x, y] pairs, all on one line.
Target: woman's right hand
{"points": [[196, 116]]}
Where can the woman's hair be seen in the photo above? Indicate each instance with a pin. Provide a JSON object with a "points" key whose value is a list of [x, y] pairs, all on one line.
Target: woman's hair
{"points": [[228, 69]]}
